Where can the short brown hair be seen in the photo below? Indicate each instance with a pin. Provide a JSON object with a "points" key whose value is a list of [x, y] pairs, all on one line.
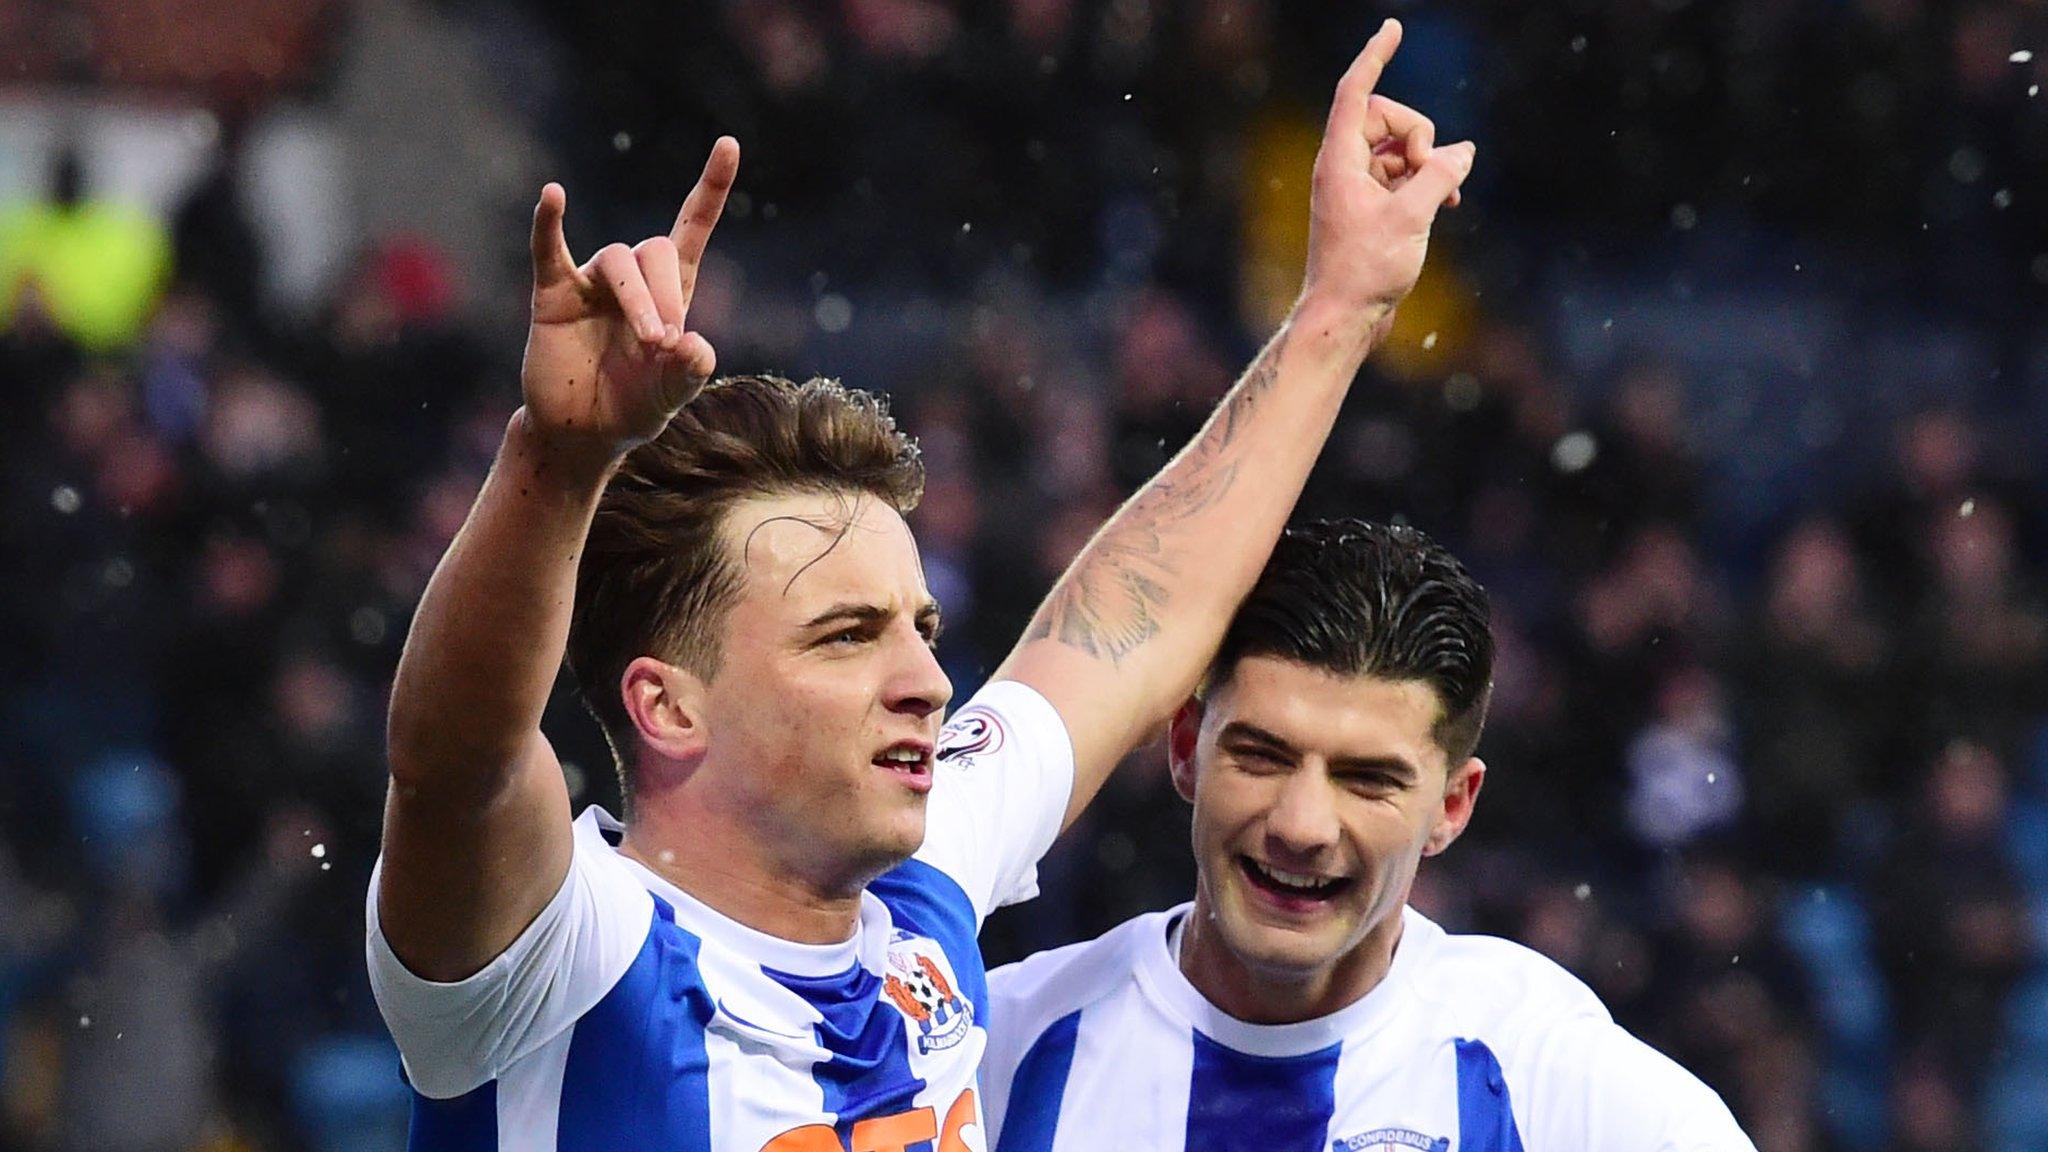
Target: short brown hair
{"points": [[654, 578]]}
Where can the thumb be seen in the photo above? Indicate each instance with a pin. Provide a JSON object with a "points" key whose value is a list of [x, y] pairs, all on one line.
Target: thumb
{"points": [[552, 263], [1431, 186], [687, 368]]}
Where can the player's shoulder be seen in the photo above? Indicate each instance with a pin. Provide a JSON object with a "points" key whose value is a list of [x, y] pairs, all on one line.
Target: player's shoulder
{"points": [[1491, 984], [1053, 983], [1003, 718]]}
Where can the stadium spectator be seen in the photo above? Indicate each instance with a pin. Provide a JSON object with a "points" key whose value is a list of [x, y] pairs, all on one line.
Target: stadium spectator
{"points": [[90, 268]]}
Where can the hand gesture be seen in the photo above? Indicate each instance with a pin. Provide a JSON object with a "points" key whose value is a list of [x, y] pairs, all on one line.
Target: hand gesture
{"points": [[1379, 181], [608, 359]]}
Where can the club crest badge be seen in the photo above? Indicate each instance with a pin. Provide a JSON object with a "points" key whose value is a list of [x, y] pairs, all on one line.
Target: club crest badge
{"points": [[918, 986], [1391, 1140], [973, 732]]}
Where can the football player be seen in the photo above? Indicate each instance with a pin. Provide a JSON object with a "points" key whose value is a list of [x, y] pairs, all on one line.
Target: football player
{"points": [[775, 949], [1298, 1004]]}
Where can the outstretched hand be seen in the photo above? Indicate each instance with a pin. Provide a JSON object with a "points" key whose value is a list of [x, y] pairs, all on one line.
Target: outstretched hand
{"points": [[608, 355], [1380, 179]]}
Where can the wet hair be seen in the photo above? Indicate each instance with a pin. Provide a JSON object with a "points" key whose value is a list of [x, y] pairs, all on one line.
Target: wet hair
{"points": [[656, 577], [1363, 599]]}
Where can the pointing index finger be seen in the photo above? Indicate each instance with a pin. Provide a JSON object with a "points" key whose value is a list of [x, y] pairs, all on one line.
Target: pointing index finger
{"points": [[1346, 128], [706, 202]]}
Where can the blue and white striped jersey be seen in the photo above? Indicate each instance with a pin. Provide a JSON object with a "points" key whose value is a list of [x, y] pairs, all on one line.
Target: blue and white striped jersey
{"points": [[630, 1015], [1470, 1044]]}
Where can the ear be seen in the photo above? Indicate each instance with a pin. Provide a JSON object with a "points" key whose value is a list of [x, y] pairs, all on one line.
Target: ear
{"points": [[1181, 737], [1461, 795], [666, 704]]}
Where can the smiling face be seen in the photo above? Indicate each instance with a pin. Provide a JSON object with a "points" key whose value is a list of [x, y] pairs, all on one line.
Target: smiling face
{"points": [[1316, 795], [819, 726]]}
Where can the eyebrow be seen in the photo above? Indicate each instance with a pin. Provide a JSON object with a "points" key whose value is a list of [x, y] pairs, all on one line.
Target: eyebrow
{"points": [[852, 612], [1247, 732]]}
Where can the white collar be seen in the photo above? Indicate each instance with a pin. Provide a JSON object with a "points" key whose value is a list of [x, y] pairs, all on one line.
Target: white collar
{"points": [[1158, 972], [868, 946]]}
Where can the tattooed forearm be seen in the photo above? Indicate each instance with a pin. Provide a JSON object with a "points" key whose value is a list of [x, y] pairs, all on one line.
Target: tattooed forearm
{"points": [[1257, 381], [1109, 603]]}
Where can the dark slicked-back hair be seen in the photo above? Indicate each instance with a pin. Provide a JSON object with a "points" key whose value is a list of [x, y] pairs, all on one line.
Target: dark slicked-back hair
{"points": [[655, 578], [1357, 598]]}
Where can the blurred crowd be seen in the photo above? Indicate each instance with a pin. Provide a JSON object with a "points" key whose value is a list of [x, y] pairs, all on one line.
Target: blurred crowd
{"points": [[1769, 745]]}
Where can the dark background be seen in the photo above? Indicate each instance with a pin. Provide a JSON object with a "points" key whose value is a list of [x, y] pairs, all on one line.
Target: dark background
{"points": [[1730, 381]]}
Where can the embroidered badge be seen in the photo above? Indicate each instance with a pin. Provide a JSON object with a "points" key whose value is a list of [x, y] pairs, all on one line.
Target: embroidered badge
{"points": [[918, 987], [1391, 1140], [974, 731]]}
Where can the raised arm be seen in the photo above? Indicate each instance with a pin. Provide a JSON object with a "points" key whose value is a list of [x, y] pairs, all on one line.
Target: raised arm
{"points": [[477, 824], [1126, 633]]}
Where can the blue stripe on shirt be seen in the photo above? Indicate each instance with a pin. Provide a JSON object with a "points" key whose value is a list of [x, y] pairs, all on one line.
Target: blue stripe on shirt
{"points": [[869, 1072], [1485, 1122], [1240, 1103], [637, 1074], [1038, 1088], [465, 1123]]}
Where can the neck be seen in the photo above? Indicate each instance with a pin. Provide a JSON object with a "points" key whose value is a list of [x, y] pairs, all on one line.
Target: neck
{"points": [[1258, 995], [711, 860]]}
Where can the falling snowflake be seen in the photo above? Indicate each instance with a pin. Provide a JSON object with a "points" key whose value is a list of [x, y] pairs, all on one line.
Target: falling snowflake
{"points": [[1573, 452]]}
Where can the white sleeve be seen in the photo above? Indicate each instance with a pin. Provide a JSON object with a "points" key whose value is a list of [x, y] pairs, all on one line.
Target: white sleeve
{"points": [[454, 1037], [1598, 1089], [1003, 773]]}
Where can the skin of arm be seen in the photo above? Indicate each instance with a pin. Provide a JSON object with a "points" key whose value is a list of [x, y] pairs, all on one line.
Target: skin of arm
{"points": [[477, 832], [1124, 636]]}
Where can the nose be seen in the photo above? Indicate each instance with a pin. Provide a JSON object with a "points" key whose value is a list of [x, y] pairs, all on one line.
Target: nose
{"points": [[916, 686], [1302, 822]]}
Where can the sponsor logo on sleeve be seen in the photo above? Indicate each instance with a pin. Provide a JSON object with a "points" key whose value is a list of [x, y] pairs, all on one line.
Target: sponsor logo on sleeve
{"points": [[1391, 1140], [973, 732]]}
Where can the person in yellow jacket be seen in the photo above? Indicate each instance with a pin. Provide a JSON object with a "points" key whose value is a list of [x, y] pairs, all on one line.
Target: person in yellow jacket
{"points": [[92, 268]]}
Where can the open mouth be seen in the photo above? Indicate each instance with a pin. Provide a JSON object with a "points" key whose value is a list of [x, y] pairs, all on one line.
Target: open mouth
{"points": [[1293, 891], [909, 762]]}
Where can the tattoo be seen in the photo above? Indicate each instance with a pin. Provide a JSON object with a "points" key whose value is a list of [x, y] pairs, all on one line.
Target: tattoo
{"points": [[1109, 603], [1258, 380]]}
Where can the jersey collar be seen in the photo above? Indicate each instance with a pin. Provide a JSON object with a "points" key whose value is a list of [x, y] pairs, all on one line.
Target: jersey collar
{"points": [[1159, 974], [868, 946]]}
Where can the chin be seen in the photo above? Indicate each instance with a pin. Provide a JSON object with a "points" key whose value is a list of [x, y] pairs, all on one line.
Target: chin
{"points": [[898, 837], [1283, 954], [1287, 952]]}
